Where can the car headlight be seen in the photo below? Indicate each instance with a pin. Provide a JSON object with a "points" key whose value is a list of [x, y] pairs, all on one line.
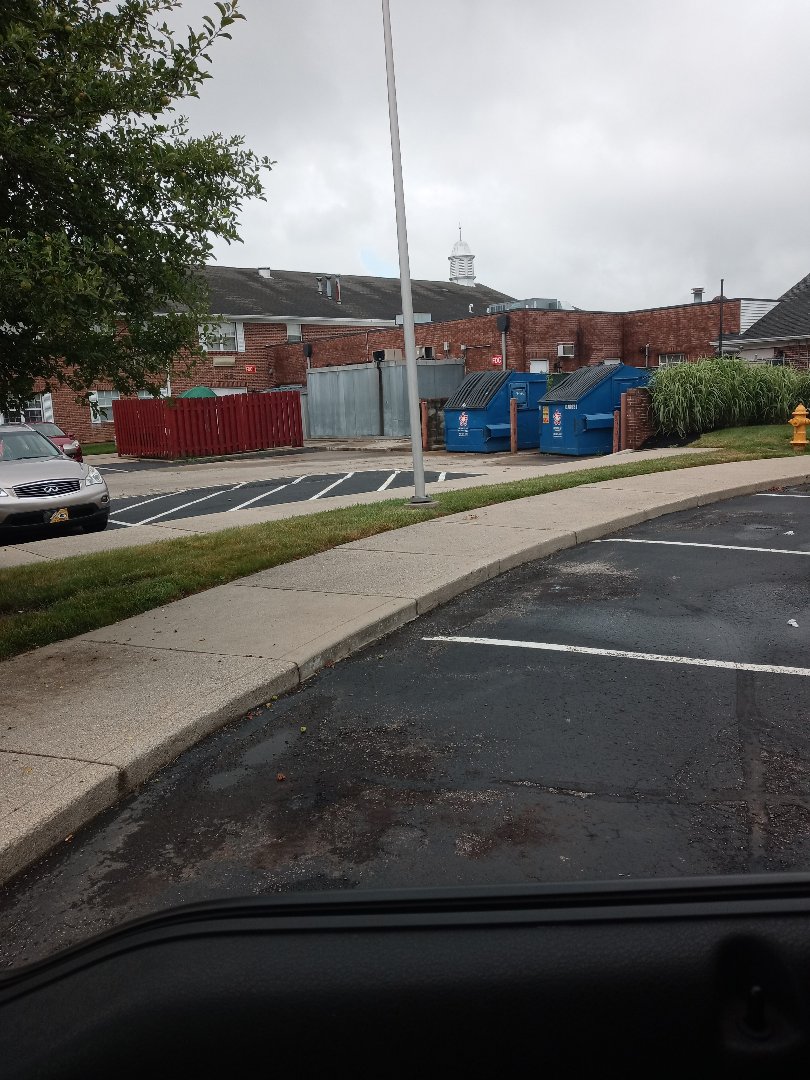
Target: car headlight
{"points": [[93, 477], [4, 494]]}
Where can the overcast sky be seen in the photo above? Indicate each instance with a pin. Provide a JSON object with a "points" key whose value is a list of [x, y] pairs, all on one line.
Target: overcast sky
{"points": [[612, 153]]}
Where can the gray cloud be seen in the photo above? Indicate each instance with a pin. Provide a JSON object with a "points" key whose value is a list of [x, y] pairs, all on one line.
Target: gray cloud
{"points": [[610, 152]]}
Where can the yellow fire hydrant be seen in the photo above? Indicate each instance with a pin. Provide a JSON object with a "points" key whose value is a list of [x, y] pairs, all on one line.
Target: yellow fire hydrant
{"points": [[799, 422]]}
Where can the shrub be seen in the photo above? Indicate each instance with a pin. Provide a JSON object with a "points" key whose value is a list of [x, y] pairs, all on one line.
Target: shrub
{"points": [[712, 393]]}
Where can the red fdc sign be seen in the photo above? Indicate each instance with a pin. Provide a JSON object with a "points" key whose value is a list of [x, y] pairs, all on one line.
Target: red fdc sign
{"points": [[250, 369], [497, 361]]}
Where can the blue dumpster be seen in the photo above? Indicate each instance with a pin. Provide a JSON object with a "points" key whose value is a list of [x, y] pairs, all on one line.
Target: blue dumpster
{"points": [[576, 416], [476, 417]]}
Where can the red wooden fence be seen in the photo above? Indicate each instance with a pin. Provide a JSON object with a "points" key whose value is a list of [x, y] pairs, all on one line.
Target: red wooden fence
{"points": [[204, 427]]}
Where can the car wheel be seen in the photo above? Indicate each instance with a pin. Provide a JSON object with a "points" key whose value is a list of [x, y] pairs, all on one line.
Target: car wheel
{"points": [[99, 525]]}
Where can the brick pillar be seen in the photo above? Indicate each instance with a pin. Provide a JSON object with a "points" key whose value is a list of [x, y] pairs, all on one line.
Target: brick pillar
{"points": [[639, 420]]}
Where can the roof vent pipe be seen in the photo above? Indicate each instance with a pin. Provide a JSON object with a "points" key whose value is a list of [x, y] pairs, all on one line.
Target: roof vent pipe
{"points": [[697, 294], [320, 285], [337, 290], [329, 287]]}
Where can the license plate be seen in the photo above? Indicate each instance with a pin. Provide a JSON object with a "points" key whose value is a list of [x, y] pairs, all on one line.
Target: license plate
{"points": [[59, 515]]}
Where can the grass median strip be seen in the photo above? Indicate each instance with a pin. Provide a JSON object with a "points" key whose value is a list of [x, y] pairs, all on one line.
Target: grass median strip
{"points": [[763, 440], [52, 601]]}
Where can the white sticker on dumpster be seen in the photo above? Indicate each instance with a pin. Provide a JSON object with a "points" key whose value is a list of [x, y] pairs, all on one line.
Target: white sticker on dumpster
{"points": [[556, 425], [463, 424]]}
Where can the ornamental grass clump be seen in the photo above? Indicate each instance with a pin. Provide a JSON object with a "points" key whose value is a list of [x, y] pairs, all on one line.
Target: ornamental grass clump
{"points": [[689, 399]]}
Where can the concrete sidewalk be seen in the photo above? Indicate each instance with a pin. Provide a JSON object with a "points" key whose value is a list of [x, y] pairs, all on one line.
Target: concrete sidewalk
{"points": [[488, 471], [86, 720]]}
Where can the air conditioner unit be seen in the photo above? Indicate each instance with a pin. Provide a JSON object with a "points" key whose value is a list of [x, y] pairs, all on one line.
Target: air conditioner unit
{"points": [[424, 352], [394, 355], [565, 349]]}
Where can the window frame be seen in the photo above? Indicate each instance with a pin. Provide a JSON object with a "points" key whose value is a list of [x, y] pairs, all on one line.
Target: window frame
{"points": [[218, 347], [99, 415]]}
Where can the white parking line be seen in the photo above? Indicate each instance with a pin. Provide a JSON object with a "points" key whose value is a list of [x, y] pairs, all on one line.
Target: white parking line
{"points": [[264, 495], [442, 476], [729, 665], [340, 481], [300, 478], [385, 483], [134, 506], [129, 524], [174, 509], [779, 495], [684, 543]]}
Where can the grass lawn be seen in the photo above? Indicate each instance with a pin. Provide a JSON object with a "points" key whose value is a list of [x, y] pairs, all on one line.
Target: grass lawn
{"points": [[99, 448], [760, 440], [56, 600]]}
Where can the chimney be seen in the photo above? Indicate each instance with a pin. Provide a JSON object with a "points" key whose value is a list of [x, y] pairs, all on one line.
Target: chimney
{"points": [[697, 294], [264, 271]]}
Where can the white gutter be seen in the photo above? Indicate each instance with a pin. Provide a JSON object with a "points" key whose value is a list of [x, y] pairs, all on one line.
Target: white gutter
{"points": [[308, 320]]}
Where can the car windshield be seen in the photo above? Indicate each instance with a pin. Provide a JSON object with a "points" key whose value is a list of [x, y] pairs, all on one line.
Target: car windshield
{"points": [[495, 577], [20, 445]]}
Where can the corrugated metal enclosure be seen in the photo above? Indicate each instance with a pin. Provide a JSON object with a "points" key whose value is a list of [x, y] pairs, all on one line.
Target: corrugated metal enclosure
{"points": [[370, 399]]}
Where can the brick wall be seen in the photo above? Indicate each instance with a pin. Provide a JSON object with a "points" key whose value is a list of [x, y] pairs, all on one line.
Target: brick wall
{"points": [[639, 421], [688, 329], [532, 335]]}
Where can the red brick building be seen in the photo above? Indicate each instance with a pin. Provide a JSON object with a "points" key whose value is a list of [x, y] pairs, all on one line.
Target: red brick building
{"points": [[276, 324]]}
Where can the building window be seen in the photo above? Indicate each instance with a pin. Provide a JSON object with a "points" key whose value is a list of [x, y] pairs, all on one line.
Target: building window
{"points": [[565, 349], [293, 331], [224, 337], [668, 359], [33, 412], [37, 411], [101, 402]]}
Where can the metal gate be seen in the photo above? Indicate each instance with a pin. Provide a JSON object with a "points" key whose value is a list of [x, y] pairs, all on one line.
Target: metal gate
{"points": [[364, 399]]}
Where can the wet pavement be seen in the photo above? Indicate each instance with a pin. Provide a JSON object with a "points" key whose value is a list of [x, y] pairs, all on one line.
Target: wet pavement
{"points": [[619, 710]]}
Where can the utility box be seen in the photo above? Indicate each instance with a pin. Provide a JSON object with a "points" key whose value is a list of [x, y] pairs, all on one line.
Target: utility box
{"points": [[576, 416], [476, 417]]}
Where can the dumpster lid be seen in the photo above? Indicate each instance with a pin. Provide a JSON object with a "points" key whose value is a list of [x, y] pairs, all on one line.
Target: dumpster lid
{"points": [[576, 385], [477, 390]]}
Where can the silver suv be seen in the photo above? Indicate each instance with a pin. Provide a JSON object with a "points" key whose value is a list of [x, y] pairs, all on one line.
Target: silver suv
{"points": [[40, 486]]}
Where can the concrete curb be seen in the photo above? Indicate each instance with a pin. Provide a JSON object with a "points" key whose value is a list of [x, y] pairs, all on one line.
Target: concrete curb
{"points": [[87, 776]]}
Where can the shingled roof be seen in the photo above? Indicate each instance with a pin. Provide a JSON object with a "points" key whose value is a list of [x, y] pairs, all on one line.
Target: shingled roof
{"points": [[789, 319], [243, 291]]}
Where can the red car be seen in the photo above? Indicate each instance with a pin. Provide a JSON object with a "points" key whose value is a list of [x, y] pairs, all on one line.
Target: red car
{"points": [[67, 443]]}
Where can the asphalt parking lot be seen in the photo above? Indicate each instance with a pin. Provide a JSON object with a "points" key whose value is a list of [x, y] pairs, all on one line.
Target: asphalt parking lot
{"points": [[190, 502], [128, 465], [635, 707]]}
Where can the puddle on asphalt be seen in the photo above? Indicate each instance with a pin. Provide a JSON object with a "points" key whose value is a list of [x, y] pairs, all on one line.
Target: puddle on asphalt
{"points": [[269, 751]]}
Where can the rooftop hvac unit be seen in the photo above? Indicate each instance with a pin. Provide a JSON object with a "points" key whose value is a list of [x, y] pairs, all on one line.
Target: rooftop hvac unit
{"points": [[424, 352], [394, 356]]}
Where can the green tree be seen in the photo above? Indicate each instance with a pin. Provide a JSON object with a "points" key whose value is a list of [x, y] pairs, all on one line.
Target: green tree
{"points": [[107, 203]]}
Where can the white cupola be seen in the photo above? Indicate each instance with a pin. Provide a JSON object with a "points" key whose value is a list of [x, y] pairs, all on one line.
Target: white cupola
{"points": [[462, 269]]}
